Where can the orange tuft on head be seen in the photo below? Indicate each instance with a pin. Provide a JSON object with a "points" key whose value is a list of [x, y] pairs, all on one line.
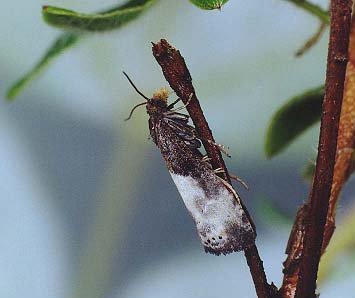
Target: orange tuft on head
{"points": [[162, 94]]}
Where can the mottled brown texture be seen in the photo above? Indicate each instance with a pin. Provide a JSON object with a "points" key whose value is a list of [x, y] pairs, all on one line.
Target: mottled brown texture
{"points": [[177, 74], [340, 15]]}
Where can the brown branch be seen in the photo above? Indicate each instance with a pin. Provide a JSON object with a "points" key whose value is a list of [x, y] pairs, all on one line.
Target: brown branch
{"points": [[340, 15], [178, 76], [346, 140], [342, 168]]}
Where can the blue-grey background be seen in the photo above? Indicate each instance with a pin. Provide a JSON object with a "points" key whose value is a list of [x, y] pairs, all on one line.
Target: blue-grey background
{"points": [[88, 207]]}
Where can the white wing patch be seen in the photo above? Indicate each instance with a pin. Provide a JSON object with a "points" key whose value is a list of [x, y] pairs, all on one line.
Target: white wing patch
{"points": [[220, 220]]}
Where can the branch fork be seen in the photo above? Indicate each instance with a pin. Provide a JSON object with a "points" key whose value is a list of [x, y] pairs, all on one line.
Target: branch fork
{"points": [[313, 220]]}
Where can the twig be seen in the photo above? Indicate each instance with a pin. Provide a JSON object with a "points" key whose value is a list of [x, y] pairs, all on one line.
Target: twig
{"points": [[178, 76], [342, 166], [310, 42], [314, 9], [346, 140], [314, 219]]}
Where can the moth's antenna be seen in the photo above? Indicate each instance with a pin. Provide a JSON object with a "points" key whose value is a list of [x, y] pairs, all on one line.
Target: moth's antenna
{"points": [[136, 106], [135, 88]]}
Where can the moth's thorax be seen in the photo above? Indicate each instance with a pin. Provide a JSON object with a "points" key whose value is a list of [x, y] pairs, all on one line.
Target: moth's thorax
{"points": [[158, 104]]}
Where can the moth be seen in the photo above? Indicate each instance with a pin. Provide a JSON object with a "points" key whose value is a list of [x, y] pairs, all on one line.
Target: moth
{"points": [[215, 207]]}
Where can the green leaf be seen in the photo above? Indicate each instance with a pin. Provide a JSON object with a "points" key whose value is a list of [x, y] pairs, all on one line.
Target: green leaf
{"points": [[309, 170], [271, 214], [133, 8], [109, 20], [65, 41], [298, 114], [209, 4], [314, 9]]}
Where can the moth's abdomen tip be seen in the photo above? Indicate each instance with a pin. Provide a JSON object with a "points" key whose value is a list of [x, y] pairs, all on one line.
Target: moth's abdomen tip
{"points": [[222, 245], [225, 250], [218, 252]]}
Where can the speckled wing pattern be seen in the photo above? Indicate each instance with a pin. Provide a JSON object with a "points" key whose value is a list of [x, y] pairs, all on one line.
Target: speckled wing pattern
{"points": [[221, 222]]}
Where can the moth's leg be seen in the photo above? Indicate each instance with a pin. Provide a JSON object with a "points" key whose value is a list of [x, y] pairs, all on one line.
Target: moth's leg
{"points": [[220, 147], [206, 158], [173, 103], [220, 170], [230, 187], [189, 100], [236, 178], [185, 105]]}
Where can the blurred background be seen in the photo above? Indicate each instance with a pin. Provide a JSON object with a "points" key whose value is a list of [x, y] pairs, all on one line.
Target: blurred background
{"points": [[88, 207]]}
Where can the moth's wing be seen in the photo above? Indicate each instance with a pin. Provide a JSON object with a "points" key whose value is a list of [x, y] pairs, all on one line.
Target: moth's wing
{"points": [[183, 130], [177, 116], [221, 222]]}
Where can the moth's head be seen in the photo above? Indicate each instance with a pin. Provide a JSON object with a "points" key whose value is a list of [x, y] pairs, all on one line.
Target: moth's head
{"points": [[155, 105], [161, 95], [158, 101]]}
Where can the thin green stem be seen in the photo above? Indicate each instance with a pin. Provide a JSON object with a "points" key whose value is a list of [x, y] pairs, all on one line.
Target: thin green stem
{"points": [[313, 9]]}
